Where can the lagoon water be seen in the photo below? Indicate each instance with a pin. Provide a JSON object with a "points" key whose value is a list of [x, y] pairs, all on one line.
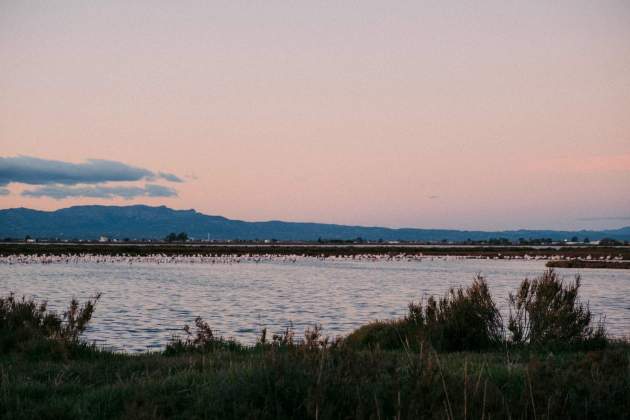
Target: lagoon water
{"points": [[144, 304]]}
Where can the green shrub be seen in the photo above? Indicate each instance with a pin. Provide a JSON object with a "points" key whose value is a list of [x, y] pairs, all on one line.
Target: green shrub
{"points": [[464, 319], [547, 311], [201, 341], [385, 335], [24, 322]]}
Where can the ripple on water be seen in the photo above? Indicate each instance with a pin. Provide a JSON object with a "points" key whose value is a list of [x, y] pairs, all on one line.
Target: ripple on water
{"points": [[144, 305]]}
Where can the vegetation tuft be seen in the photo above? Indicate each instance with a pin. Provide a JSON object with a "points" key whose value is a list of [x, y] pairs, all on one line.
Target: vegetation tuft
{"points": [[465, 319], [546, 311], [201, 340], [25, 323]]}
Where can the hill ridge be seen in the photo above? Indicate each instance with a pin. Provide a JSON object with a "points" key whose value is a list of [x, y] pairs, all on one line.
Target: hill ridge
{"points": [[154, 222]]}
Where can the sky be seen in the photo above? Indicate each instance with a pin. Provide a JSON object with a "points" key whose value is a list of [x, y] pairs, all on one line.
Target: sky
{"points": [[437, 114]]}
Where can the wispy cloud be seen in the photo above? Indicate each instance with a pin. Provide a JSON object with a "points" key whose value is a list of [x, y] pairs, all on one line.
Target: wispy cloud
{"points": [[170, 177], [4, 191], [36, 171], [60, 192]]}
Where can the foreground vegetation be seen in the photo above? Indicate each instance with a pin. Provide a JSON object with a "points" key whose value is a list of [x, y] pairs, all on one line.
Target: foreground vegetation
{"points": [[450, 357]]}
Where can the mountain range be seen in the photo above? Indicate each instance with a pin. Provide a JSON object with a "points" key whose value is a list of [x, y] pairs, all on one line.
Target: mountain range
{"points": [[146, 222]]}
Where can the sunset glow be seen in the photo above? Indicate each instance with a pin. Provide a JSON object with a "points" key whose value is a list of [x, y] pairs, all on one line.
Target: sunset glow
{"points": [[493, 115]]}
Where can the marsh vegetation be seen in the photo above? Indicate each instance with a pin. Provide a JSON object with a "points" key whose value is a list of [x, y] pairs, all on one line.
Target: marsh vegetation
{"points": [[449, 357]]}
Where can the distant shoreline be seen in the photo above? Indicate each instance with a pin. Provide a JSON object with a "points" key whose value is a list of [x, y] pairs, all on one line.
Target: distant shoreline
{"points": [[580, 263], [561, 253]]}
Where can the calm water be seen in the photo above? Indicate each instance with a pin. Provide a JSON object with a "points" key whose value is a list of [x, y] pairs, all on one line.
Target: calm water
{"points": [[144, 304]]}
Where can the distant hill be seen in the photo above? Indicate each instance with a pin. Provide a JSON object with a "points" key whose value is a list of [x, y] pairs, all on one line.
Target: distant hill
{"points": [[136, 222]]}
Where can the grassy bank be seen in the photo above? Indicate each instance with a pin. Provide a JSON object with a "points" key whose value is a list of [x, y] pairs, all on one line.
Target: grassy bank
{"points": [[296, 382], [450, 357], [620, 265]]}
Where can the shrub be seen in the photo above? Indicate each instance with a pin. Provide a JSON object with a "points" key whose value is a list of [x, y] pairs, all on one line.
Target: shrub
{"points": [[547, 311], [464, 319], [202, 340], [385, 335], [23, 321]]}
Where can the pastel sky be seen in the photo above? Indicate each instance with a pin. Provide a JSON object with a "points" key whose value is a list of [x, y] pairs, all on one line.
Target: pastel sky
{"points": [[462, 114]]}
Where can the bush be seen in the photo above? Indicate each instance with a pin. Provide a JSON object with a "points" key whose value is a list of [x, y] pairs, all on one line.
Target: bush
{"points": [[24, 321], [385, 335], [547, 311], [201, 341], [464, 319]]}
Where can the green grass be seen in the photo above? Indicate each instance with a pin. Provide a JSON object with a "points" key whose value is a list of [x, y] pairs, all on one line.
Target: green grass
{"points": [[298, 382]]}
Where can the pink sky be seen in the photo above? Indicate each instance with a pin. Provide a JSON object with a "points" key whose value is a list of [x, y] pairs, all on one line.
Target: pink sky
{"points": [[422, 114]]}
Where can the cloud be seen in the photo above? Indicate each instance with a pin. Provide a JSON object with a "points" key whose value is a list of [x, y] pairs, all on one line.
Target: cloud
{"points": [[4, 191], [433, 197], [154, 190], [36, 171], [170, 177], [60, 192]]}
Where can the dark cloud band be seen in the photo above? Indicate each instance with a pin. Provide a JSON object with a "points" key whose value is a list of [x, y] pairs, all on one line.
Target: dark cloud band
{"points": [[60, 192], [36, 171]]}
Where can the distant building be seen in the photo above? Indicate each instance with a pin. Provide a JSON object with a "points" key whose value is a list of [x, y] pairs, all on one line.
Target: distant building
{"points": [[103, 239]]}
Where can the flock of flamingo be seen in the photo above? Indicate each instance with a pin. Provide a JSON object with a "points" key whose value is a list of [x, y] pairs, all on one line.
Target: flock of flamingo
{"points": [[253, 258]]}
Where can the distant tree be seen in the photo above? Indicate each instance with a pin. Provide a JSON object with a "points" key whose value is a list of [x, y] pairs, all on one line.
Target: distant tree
{"points": [[176, 237], [498, 241], [575, 239], [609, 242], [586, 241]]}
